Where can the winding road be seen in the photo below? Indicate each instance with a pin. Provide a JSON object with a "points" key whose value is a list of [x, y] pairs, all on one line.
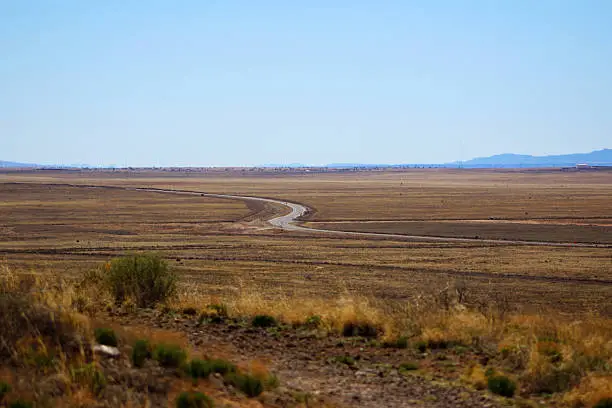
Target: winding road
{"points": [[288, 222]]}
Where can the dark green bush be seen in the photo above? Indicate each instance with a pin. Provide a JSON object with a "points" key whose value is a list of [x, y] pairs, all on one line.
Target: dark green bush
{"points": [[501, 385], [363, 329], [190, 311], [604, 403], [140, 352], [421, 346], [251, 386], [409, 366], [169, 355], [106, 337], [194, 400], [145, 279], [4, 389], [263, 321], [20, 404], [222, 366], [199, 368]]}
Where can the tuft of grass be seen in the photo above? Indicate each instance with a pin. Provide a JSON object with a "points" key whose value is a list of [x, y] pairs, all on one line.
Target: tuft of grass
{"points": [[248, 384], [263, 320], [106, 337], [5, 388], [222, 366], [140, 352], [169, 355], [199, 368], [145, 279], [90, 376], [360, 328], [20, 404], [400, 343], [348, 360], [194, 400], [501, 385], [313, 321], [190, 311], [604, 403], [408, 366]]}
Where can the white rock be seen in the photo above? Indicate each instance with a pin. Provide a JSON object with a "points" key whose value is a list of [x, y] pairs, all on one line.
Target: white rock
{"points": [[106, 350]]}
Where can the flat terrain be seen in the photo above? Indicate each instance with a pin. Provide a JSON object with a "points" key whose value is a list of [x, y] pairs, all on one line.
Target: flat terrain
{"points": [[222, 245]]}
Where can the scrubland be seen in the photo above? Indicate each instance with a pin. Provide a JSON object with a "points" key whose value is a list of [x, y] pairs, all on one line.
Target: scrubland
{"points": [[433, 324]]}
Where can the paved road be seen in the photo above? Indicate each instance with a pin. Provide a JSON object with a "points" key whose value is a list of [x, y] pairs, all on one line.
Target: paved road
{"points": [[288, 220]]}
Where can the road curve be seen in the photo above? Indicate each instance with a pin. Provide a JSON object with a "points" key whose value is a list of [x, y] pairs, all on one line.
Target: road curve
{"points": [[288, 220]]}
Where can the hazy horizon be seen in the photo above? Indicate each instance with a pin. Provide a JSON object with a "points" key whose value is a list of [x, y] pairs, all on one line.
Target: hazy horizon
{"points": [[238, 83]]}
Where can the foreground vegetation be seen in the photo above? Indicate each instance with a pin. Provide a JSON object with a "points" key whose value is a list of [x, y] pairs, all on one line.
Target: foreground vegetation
{"points": [[524, 357]]}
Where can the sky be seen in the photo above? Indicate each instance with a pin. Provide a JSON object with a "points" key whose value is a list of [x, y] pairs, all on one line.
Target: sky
{"points": [[222, 82]]}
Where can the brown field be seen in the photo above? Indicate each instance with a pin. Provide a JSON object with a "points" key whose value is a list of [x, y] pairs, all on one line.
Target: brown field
{"points": [[220, 246]]}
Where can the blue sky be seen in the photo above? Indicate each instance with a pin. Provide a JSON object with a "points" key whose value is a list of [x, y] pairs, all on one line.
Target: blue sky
{"points": [[252, 82]]}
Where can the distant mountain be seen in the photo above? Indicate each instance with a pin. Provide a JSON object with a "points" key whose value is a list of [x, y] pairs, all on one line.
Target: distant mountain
{"points": [[7, 164], [595, 158]]}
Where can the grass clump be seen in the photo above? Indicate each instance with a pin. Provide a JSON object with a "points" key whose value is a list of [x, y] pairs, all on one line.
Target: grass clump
{"points": [[194, 400], [106, 337], [169, 355], [140, 353], [408, 366], [144, 279], [400, 343], [90, 376], [264, 321], [5, 388], [199, 368], [501, 385], [222, 366], [604, 403], [348, 360], [248, 384], [359, 328]]}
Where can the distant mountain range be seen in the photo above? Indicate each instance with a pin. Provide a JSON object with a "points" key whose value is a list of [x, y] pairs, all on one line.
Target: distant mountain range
{"points": [[596, 158]]}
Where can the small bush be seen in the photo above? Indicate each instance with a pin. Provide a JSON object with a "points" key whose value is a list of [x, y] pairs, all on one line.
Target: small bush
{"points": [[409, 366], [363, 329], [604, 403], [169, 355], [400, 343], [89, 375], [501, 385], [145, 279], [20, 404], [250, 385], [199, 368], [140, 352], [190, 311], [222, 366], [263, 321], [313, 321], [194, 400], [106, 337], [348, 360], [219, 309], [421, 346], [4, 389]]}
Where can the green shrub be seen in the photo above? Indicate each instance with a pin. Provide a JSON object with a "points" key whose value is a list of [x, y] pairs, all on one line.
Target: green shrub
{"points": [[4, 389], [222, 366], [169, 355], [409, 366], [421, 346], [263, 321], [20, 404], [194, 400], [145, 279], [501, 385], [313, 321], [140, 352], [89, 375], [363, 329], [199, 368], [106, 337], [250, 385], [604, 403], [348, 360], [190, 311]]}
